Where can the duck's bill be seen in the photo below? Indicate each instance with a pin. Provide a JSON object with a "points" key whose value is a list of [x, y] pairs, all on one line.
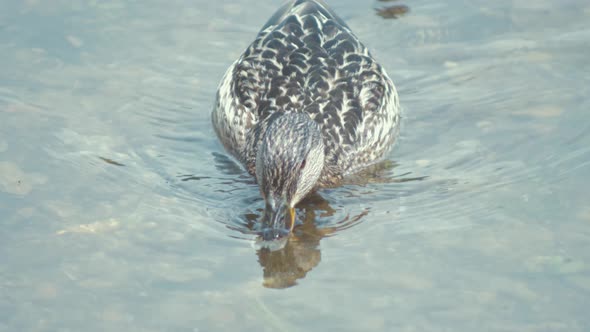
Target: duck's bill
{"points": [[278, 222]]}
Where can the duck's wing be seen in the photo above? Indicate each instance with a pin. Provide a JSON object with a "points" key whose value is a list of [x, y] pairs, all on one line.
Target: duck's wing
{"points": [[306, 59], [252, 86]]}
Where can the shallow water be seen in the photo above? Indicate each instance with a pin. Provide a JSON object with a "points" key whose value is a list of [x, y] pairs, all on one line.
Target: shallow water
{"points": [[121, 212]]}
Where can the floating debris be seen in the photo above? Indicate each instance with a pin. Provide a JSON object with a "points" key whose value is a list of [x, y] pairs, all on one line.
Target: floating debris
{"points": [[393, 11], [190, 177], [111, 161]]}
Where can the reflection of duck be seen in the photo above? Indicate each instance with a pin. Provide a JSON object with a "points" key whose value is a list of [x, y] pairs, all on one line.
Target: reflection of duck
{"points": [[301, 252], [303, 107], [282, 268]]}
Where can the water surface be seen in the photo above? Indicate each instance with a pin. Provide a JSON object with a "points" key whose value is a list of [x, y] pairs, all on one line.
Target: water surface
{"points": [[120, 210]]}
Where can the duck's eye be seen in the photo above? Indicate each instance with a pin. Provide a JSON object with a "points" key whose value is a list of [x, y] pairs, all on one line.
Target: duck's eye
{"points": [[303, 164]]}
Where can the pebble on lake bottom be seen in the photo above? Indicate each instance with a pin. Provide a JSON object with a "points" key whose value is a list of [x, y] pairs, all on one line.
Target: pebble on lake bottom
{"points": [[423, 162], [546, 111], [582, 282], [46, 291], [14, 180], [74, 41], [555, 264], [95, 227]]}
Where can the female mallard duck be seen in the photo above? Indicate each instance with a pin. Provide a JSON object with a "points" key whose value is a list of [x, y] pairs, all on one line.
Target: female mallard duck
{"points": [[303, 107]]}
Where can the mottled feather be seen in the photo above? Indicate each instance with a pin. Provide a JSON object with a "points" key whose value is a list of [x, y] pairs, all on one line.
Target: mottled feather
{"points": [[306, 59]]}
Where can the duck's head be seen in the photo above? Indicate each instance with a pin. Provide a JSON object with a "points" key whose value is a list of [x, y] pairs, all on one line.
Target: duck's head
{"points": [[289, 162]]}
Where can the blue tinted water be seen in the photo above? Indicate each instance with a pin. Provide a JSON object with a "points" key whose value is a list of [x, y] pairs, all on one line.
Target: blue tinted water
{"points": [[121, 212]]}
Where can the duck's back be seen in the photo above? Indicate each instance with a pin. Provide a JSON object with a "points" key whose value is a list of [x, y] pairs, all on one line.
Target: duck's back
{"points": [[306, 59]]}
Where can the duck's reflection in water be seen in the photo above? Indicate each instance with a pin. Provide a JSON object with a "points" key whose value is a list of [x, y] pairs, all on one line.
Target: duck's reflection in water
{"points": [[283, 267], [285, 263]]}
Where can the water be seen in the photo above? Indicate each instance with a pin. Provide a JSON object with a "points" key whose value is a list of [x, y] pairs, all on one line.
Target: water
{"points": [[121, 212]]}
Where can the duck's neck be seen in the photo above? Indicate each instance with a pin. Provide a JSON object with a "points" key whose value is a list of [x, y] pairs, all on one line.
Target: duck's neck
{"points": [[282, 133], [290, 158]]}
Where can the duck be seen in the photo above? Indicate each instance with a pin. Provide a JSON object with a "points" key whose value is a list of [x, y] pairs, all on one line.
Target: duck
{"points": [[304, 106]]}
